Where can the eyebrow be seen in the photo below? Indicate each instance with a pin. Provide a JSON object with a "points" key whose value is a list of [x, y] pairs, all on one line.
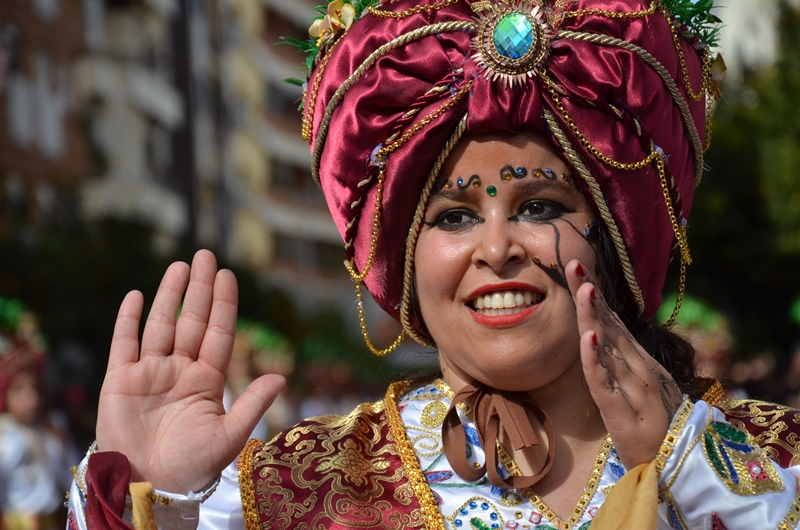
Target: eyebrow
{"points": [[527, 186]]}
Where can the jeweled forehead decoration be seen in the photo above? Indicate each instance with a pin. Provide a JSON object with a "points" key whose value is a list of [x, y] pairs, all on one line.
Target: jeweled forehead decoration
{"points": [[511, 40]]}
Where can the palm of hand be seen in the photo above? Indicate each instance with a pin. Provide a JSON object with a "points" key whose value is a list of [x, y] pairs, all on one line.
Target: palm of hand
{"points": [[163, 409]]}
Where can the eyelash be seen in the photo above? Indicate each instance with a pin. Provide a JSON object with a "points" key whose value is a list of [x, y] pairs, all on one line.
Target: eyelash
{"points": [[552, 210], [441, 219]]}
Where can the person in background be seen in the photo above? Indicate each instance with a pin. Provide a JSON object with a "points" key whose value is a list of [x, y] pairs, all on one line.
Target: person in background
{"points": [[34, 467]]}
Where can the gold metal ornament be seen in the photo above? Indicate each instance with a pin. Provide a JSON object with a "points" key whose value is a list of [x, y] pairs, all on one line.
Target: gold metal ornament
{"points": [[511, 40]]}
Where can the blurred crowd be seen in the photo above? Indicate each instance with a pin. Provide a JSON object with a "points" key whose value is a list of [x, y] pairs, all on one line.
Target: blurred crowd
{"points": [[46, 423]]}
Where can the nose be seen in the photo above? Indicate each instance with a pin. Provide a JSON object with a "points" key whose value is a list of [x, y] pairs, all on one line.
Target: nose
{"points": [[499, 245]]}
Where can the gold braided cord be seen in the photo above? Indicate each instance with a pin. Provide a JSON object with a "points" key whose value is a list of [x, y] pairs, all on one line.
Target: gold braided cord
{"points": [[654, 63], [381, 157], [374, 11], [424, 31], [602, 206], [614, 14], [413, 233], [362, 320]]}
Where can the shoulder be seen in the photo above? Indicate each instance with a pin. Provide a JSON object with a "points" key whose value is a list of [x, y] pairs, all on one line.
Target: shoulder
{"points": [[331, 469]]}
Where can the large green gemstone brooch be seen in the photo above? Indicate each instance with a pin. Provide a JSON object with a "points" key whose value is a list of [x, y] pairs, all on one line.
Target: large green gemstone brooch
{"points": [[511, 40]]}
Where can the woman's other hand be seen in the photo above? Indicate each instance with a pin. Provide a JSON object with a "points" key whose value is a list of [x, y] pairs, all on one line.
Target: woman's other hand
{"points": [[636, 396], [162, 408]]}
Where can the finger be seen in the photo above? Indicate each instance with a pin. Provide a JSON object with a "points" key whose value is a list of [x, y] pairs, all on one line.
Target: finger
{"points": [[577, 274], [191, 326], [618, 351], [159, 331], [125, 341], [220, 334], [240, 421]]}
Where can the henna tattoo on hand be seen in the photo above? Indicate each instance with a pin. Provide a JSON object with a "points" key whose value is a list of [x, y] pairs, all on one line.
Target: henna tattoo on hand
{"points": [[671, 397]]}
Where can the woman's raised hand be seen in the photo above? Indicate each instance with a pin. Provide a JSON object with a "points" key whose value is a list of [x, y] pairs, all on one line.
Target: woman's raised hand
{"points": [[636, 396], [162, 408]]}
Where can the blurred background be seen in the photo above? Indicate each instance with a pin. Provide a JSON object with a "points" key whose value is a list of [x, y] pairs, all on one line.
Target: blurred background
{"points": [[133, 132]]}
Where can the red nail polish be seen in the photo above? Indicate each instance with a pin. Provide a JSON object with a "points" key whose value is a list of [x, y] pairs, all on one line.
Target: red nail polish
{"points": [[580, 271], [593, 294], [594, 340]]}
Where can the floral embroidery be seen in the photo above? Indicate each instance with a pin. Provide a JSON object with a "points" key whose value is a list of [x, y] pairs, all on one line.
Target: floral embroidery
{"points": [[352, 462], [742, 466]]}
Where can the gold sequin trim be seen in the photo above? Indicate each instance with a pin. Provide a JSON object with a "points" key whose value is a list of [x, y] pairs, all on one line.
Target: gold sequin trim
{"points": [[430, 510], [246, 488], [793, 517], [673, 433], [714, 395]]}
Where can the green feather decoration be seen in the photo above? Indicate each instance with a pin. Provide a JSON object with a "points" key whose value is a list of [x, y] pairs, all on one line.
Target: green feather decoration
{"points": [[697, 18]]}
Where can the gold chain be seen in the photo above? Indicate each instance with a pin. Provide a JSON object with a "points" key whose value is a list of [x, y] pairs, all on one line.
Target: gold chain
{"points": [[358, 277], [613, 14], [683, 242], [705, 83], [412, 11], [308, 116], [585, 141], [362, 319], [381, 157]]}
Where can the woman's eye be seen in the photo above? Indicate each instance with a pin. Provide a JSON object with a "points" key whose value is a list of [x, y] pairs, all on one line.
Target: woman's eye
{"points": [[455, 219], [539, 210]]}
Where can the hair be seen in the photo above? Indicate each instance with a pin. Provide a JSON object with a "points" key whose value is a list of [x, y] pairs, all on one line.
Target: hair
{"points": [[672, 351]]}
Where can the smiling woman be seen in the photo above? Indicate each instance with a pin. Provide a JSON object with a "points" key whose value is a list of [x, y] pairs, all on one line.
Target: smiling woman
{"points": [[511, 181]]}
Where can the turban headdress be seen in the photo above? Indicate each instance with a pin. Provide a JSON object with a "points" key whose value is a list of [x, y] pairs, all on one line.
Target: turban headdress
{"points": [[616, 84]]}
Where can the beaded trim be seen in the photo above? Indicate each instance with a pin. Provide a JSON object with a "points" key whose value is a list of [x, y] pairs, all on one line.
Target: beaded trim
{"points": [[588, 491], [374, 11], [714, 395], [674, 432], [246, 488], [413, 234], [614, 14], [430, 510]]}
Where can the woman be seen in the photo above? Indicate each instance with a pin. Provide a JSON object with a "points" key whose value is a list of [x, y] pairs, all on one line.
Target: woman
{"points": [[511, 182]]}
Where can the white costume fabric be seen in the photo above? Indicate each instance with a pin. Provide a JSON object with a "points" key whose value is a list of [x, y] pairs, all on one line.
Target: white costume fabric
{"points": [[710, 472]]}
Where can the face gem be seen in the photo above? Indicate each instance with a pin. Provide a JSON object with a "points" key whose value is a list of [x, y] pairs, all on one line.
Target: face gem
{"points": [[491, 190]]}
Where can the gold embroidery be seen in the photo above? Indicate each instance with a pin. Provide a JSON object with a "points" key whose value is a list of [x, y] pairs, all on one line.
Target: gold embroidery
{"points": [[350, 460], [246, 489], [430, 509], [433, 414], [770, 417], [714, 395]]}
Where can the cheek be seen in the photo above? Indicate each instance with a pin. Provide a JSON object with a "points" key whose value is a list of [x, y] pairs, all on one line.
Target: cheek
{"points": [[439, 266]]}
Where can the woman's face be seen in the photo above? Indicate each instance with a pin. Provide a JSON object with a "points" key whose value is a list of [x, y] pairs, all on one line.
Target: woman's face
{"points": [[23, 397], [504, 222]]}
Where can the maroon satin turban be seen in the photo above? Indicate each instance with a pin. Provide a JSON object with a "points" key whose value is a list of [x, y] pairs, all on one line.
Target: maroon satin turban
{"points": [[620, 91]]}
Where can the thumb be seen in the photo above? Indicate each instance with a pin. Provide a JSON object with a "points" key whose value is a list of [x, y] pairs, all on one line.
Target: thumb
{"points": [[240, 421]]}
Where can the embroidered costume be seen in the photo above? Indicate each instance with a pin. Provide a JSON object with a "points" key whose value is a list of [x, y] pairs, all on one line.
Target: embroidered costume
{"points": [[382, 467]]}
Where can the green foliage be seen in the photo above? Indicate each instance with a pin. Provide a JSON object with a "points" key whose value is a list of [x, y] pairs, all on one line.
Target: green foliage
{"points": [[697, 17]]}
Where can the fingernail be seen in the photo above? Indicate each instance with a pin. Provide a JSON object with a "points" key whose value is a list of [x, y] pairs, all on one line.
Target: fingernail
{"points": [[593, 294], [594, 340], [580, 271]]}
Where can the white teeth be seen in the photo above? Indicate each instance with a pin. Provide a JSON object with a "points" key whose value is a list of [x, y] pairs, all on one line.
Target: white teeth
{"points": [[509, 300], [504, 303], [497, 301]]}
